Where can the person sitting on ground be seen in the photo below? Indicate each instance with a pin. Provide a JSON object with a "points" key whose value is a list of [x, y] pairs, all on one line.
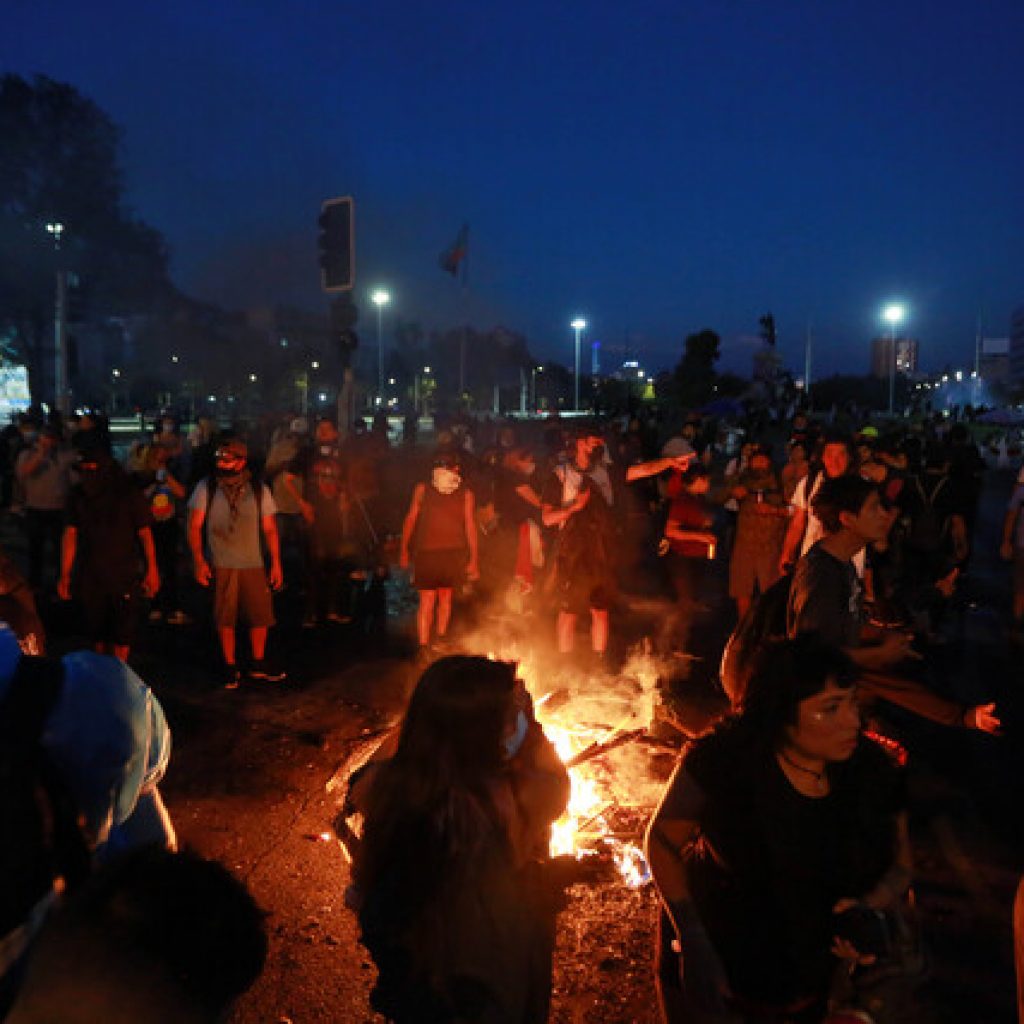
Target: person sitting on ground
{"points": [[161, 937], [83, 747], [447, 881], [772, 826]]}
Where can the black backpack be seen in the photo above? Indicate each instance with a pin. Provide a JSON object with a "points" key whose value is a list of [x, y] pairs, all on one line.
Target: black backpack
{"points": [[764, 622], [40, 839]]}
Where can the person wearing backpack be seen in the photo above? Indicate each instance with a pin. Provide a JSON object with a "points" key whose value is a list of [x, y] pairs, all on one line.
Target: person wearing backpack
{"points": [[238, 514], [83, 747]]}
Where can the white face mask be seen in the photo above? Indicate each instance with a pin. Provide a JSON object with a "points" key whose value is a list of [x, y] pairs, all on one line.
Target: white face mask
{"points": [[326, 449], [445, 481], [514, 743]]}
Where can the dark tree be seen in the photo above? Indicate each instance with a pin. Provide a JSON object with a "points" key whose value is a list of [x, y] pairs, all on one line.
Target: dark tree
{"points": [[694, 375], [59, 164]]}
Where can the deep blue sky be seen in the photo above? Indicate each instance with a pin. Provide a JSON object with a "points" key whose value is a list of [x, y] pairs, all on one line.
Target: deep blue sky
{"points": [[659, 167]]}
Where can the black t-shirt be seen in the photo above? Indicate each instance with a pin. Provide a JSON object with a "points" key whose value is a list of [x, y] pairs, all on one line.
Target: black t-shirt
{"points": [[825, 598], [511, 507], [107, 557], [769, 863]]}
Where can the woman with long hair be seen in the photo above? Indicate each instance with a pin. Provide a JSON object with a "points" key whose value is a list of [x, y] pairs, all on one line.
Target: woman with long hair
{"points": [[455, 824], [780, 842]]}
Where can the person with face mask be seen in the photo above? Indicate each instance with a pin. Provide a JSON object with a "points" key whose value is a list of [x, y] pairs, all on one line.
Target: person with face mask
{"points": [[238, 515], [439, 540], [108, 523], [518, 549]]}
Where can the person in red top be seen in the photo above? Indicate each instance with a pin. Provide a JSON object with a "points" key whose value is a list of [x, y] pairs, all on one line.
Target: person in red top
{"points": [[439, 539], [689, 547]]}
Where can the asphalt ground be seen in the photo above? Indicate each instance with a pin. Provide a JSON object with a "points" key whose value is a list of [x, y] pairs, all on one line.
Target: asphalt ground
{"points": [[254, 782]]}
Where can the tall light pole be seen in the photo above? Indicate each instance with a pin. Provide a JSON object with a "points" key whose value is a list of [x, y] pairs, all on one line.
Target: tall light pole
{"points": [[60, 327], [380, 298], [578, 325], [893, 315]]}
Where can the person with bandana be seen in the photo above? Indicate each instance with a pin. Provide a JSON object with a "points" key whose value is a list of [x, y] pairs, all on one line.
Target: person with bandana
{"points": [[439, 540], [239, 521], [108, 522]]}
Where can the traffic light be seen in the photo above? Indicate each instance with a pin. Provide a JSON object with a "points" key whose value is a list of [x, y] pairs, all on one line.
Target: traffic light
{"points": [[337, 244]]}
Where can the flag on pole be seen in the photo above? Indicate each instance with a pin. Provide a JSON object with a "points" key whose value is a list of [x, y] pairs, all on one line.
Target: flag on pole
{"points": [[450, 259]]}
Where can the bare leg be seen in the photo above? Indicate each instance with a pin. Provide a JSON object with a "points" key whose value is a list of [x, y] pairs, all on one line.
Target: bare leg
{"points": [[444, 610], [425, 615], [566, 632], [226, 635], [258, 642], [599, 630]]}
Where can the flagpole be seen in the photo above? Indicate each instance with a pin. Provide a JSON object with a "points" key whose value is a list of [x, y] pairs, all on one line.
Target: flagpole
{"points": [[462, 335]]}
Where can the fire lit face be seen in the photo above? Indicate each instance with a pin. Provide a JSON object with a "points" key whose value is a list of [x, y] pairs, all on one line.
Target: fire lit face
{"points": [[836, 459], [827, 725]]}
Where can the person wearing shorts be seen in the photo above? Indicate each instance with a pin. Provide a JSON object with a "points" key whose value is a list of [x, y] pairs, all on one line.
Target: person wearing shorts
{"points": [[439, 540], [238, 521]]}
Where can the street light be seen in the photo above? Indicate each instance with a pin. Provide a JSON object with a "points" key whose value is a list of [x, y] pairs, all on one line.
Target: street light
{"points": [[533, 384], [380, 298], [893, 315], [578, 325]]}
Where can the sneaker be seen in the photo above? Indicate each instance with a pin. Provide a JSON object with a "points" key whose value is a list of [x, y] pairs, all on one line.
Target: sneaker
{"points": [[262, 671], [155, 615], [232, 677], [339, 618], [309, 622], [179, 618]]}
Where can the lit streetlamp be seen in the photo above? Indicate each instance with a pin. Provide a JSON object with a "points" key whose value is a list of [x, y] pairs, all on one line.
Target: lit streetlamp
{"points": [[893, 315], [578, 325], [380, 298]]}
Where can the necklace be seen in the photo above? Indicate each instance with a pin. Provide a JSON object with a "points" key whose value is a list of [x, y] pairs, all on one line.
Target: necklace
{"points": [[819, 777]]}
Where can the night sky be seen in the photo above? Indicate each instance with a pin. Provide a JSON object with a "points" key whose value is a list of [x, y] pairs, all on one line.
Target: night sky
{"points": [[657, 167]]}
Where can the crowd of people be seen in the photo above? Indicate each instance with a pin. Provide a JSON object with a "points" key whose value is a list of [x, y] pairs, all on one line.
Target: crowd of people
{"points": [[828, 561]]}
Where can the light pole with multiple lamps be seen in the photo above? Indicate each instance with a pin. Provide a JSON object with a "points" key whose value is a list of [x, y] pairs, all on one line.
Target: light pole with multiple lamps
{"points": [[380, 298], [893, 315], [578, 325]]}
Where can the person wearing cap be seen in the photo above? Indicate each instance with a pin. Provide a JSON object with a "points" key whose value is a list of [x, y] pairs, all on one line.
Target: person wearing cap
{"points": [[238, 520], [108, 524], [439, 541]]}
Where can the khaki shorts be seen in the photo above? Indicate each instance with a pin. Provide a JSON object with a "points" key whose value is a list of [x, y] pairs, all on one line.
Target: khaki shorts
{"points": [[244, 591]]}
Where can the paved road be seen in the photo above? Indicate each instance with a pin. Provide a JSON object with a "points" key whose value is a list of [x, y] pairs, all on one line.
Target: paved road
{"points": [[251, 784]]}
